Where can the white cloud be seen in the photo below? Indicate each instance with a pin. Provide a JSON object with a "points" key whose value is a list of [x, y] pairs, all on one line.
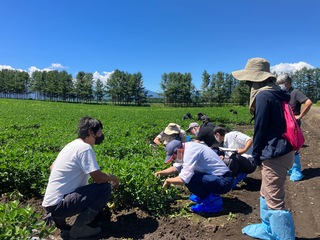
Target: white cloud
{"points": [[103, 77], [57, 66], [290, 67], [9, 68], [6, 67], [33, 69], [53, 66]]}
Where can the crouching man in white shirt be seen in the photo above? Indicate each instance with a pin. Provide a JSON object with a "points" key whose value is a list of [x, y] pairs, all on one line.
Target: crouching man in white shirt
{"points": [[68, 192]]}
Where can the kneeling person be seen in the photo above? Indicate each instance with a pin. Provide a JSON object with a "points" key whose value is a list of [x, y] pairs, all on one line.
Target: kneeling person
{"points": [[201, 170], [68, 192], [239, 161]]}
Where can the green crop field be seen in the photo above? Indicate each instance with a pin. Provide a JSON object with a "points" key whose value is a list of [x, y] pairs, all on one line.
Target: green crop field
{"points": [[33, 132]]}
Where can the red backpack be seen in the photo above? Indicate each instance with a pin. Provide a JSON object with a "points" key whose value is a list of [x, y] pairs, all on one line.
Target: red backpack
{"points": [[293, 133]]}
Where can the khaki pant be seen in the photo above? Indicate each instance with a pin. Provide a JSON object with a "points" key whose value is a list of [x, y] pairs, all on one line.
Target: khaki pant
{"points": [[273, 174]]}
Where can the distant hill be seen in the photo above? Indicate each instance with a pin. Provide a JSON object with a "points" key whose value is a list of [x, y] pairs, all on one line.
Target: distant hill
{"points": [[152, 94]]}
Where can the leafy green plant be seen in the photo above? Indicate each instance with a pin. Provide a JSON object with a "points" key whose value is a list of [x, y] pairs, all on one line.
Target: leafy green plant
{"points": [[18, 222], [139, 187], [231, 216]]}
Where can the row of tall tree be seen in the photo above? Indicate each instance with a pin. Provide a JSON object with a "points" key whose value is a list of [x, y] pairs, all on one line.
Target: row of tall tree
{"points": [[122, 88], [216, 89], [177, 88], [125, 88], [220, 88], [13, 83]]}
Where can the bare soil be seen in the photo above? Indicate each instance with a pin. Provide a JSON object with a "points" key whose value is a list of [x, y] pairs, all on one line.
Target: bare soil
{"points": [[241, 206]]}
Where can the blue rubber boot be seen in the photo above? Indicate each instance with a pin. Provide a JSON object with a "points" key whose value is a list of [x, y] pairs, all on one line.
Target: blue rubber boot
{"points": [[238, 178], [296, 174], [195, 198], [260, 230], [281, 224], [211, 204]]}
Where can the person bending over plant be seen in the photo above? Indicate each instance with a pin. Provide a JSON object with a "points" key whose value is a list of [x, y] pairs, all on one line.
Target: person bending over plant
{"points": [[201, 170], [237, 149]]}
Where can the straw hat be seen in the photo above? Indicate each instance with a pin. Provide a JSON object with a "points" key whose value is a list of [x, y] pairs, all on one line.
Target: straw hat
{"points": [[256, 70]]}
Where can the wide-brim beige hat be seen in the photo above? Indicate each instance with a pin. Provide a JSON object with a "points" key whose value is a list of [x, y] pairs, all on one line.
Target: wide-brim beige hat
{"points": [[256, 70], [172, 128]]}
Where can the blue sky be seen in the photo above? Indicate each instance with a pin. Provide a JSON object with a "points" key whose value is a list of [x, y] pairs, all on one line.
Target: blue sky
{"points": [[158, 36]]}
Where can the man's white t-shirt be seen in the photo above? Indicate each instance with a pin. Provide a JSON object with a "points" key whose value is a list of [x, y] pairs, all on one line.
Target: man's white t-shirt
{"points": [[236, 140], [70, 171]]}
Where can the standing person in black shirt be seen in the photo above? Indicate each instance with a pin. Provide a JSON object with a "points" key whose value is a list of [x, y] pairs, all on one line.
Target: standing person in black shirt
{"points": [[297, 98]]}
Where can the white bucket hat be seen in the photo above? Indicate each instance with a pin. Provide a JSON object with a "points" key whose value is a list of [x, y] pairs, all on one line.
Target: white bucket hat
{"points": [[256, 70]]}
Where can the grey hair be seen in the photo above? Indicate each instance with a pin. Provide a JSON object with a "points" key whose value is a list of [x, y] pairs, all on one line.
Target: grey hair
{"points": [[283, 78]]}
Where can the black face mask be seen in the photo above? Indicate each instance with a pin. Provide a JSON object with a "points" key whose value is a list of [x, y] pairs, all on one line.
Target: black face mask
{"points": [[99, 140]]}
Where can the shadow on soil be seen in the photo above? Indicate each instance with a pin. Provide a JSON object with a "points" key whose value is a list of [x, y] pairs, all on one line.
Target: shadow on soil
{"points": [[310, 173], [251, 184], [235, 205], [129, 227]]}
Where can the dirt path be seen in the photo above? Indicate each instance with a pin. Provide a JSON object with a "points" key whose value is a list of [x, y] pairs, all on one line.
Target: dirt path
{"points": [[303, 197]]}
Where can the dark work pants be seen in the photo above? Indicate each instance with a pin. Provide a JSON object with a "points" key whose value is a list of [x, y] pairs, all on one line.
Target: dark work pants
{"points": [[202, 184], [93, 196]]}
